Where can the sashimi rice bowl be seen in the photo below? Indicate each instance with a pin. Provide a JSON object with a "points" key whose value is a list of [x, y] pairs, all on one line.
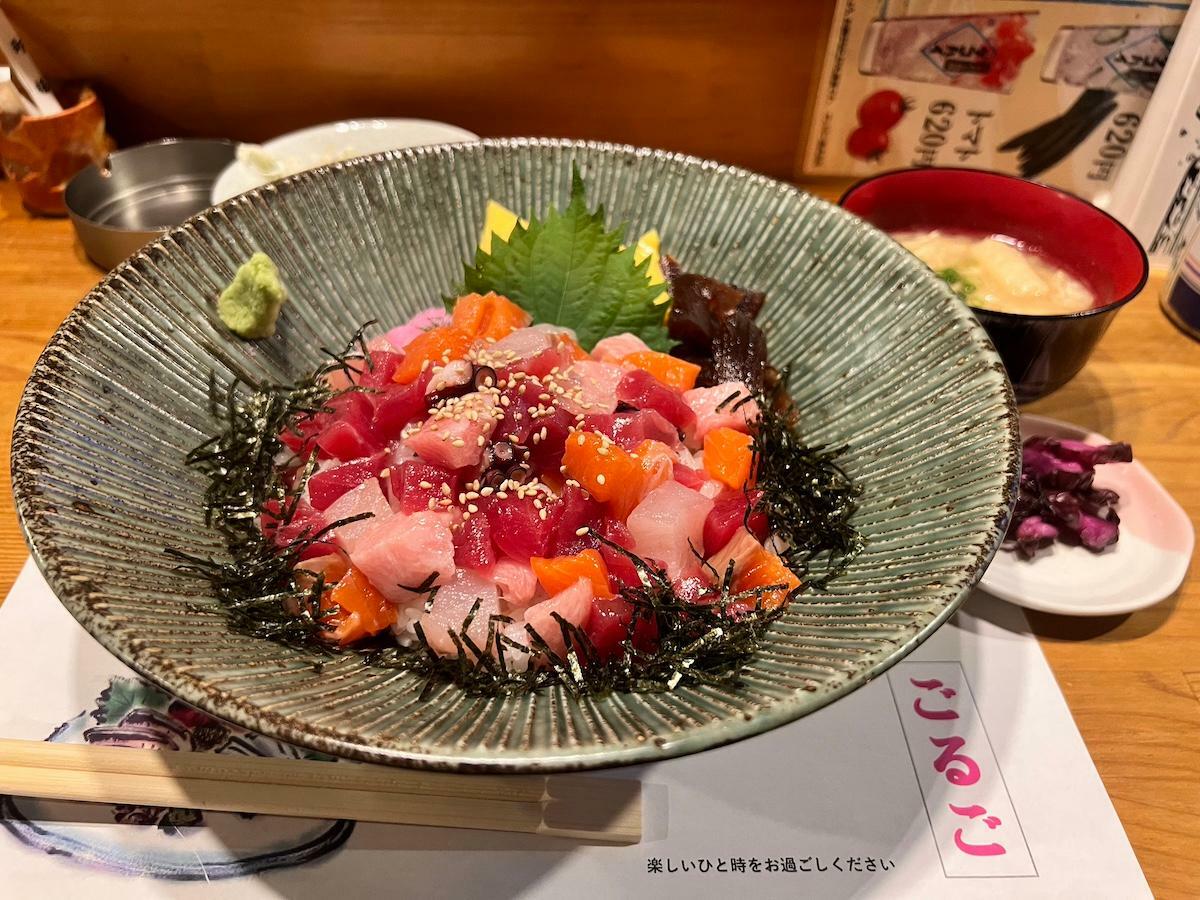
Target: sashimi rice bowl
{"points": [[581, 469]]}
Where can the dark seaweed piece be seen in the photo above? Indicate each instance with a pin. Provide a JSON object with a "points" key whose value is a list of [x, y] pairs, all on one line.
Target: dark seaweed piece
{"points": [[808, 498]]}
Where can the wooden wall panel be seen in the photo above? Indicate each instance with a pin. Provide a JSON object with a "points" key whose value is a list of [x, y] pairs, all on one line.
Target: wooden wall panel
{"points": [[727, 80]]}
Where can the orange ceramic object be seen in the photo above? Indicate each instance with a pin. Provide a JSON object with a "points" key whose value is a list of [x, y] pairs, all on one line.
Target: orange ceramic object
{"points": [[40, 154]]}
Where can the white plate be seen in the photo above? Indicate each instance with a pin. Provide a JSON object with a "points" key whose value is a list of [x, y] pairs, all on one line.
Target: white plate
{"points": [[323, 144], [1144, 567]]}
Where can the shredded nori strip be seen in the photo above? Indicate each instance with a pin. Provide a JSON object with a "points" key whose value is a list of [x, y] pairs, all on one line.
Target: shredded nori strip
{"points": [[806, 496]]}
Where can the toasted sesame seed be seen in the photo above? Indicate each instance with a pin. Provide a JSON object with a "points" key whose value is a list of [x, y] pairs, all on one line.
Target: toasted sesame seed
{"points": [[432, 503], [446, 489], [458, 442], [462, 498], [603, 451], [581, 440], [502, 495], [481, 440], [487, 492], [472, 508], [466, 516], [472, 495], [425, 485], [542, 514], [386, 473], [580, 532], [600, 479], [543, 432]]}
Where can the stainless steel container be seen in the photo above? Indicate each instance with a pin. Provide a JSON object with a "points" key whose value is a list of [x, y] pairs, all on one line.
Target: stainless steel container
{"points": [[141, 192]]}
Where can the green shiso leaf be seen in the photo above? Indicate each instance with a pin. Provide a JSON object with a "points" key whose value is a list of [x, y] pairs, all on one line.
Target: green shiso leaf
{"points": [[570, 270]]}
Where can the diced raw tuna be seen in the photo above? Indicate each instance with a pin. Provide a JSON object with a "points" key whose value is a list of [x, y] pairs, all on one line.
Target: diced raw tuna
{"points": [[621, 570], [574, 605], [517, 529], [691, 478], [614, 349], [398, 405], [608, 626], [547, 454], [305, 523], [378, 371], [516, 425], [451, 606], [473, 544], [589, 387], [628, 429], [516, 581], [366, 498], [402, 335], [348, 433], [668, 524], [737, 413], [728, 515], [457, 441], [575, 509], [642, 390], [327, 485], [409, 480], [399, 552]]}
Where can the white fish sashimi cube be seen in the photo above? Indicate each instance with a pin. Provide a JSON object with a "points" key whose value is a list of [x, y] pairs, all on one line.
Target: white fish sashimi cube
{"points": [[738, 409], [589, 387], [668, 524], [450, 608], [516, 582], [399, 552], [616, 348], [573, 604], [366, 498], [741, 547], [456, 436], [528, 342]]}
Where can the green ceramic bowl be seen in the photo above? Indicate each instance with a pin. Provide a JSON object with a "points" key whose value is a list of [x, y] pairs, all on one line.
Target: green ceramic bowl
{"points": [[885, 360]]}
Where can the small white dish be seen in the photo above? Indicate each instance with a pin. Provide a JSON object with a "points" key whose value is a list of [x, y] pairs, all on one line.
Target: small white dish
{"points": [[329, 143], [1144, 567]]}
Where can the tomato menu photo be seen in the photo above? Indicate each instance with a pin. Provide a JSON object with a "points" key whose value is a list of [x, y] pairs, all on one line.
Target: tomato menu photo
{"points": [[1045, 90]]}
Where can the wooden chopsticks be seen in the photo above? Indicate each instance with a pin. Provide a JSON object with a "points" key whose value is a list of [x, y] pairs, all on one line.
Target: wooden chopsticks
{"points": [[604, 810]]}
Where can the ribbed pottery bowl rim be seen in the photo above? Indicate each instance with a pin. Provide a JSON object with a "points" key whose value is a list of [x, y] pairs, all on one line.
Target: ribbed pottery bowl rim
{"points": [[197, 691]]}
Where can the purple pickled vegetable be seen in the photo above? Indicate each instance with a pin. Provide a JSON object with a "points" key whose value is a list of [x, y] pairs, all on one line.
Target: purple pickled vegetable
{"points": [[1057, 500]]}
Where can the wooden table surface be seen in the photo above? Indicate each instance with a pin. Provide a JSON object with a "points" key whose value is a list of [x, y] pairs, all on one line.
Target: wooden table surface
{"points": [[1132, 682]]}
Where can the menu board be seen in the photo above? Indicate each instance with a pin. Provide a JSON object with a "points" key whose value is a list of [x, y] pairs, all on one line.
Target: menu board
{"points": [[959, 773], [1049, 90]]}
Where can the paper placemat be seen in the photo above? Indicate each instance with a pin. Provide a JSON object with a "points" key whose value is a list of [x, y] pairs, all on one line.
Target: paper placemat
{"points": [[959, 773]]}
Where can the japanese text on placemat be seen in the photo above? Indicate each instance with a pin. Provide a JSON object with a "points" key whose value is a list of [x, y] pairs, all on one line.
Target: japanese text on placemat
{"points": [[974, 823]]}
